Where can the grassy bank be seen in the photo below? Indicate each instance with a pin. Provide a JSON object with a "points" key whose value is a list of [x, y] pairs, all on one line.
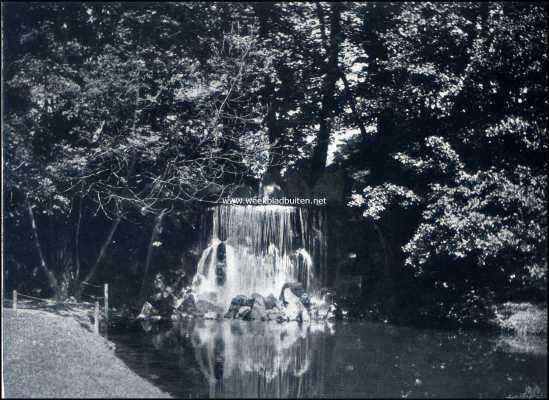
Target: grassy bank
{"points": [[46, 354]]}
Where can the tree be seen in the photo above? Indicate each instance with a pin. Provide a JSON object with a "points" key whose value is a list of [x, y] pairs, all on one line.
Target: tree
{"points": [[464, 141], [131, 121]]}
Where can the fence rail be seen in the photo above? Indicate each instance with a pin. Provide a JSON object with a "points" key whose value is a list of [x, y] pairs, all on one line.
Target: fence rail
{"points": [[97, 312]]}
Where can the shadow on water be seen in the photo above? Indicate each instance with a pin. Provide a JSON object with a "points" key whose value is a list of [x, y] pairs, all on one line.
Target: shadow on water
{"points": [[257, 359]]}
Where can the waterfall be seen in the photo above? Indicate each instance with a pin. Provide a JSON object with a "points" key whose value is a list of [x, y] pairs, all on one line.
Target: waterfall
{"points": [[256, 249]]}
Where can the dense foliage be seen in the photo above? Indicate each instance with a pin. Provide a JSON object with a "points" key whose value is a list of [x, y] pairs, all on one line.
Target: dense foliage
{"points": [[127, 112]]}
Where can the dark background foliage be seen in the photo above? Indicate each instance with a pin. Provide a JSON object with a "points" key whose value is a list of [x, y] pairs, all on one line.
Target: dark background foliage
{"points": [[124, 121]]}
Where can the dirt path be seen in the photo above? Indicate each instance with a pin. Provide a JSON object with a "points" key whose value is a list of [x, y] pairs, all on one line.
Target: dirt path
{"points": [[50, 355]]}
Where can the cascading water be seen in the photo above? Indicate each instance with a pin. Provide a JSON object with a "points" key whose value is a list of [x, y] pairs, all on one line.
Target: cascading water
{"points": [[256, 249]]}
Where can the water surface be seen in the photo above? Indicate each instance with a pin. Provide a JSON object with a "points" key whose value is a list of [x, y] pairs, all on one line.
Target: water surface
{"points": [[233, 358]]}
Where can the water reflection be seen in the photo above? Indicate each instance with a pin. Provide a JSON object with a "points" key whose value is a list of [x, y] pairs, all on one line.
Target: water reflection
{"points": [[257, 359], [234, 358]]}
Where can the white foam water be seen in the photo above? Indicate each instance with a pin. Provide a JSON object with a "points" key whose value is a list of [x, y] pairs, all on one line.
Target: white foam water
{"points": [[257, 249]]}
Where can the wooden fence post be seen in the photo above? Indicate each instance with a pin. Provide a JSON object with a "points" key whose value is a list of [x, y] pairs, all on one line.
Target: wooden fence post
{"points": [[96, 317], [14, 302], [107, 303]]}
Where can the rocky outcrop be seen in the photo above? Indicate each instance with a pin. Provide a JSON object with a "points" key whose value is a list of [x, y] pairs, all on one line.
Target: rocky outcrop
{"points": [[259, 309], [236, 304], [293, 304]]}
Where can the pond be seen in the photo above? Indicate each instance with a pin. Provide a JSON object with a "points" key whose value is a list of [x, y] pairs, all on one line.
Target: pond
{"points": [[233, 358]]}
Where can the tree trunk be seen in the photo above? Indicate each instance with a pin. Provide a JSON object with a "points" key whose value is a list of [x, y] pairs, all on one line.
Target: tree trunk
{"points": [[52, 280], [77, 241], [154, 235], [328, 103], [118, 219], [268, 92], [352, 103], [387, 280], [100, 257]]}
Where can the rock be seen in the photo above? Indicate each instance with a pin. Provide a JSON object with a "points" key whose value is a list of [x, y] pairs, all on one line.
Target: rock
{"points": [[332, 312], [237, 303], [270, 302], [294, 308], [256, 314], [296, 290], [274, 315], [282, 319], [258, 300], [243, 312], [259, 311], [305, 300], [147, 311], [295, 287], [242, 301]]}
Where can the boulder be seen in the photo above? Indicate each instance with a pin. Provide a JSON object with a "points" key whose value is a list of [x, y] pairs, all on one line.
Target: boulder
{"points": [[295, 287], [258, 300], [259, 311], [298, 290], [282, 319], [305, 300], [237, 303], [270, 302], [332, 312], [295, 310], [243, 312], [272, 315]]}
